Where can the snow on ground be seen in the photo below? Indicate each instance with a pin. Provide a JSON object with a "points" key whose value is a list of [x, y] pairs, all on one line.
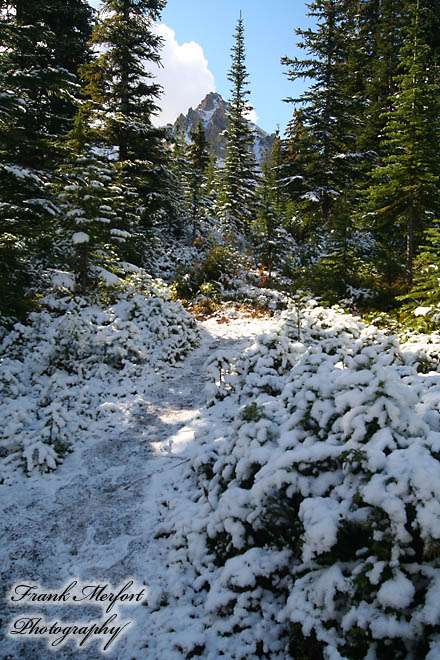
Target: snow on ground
{"points": [[321, 513], [97, 518], [280, 481]]}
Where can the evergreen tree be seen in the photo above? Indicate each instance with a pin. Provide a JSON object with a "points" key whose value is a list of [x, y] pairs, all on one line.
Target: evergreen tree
{"points": [[321, 142], [237, 197], [69, 22], [32, 80], [376, 58], [281, 198], [94, 220], [124, 95], [199, 160], [296, 158], [180, 171], [267, 222], [425, 290], [30, 69], [213, 179], [322, 132], [403, 192], [123, 98]]}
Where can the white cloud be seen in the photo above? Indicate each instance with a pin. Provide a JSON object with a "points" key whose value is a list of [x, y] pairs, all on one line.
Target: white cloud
{"points": [[252, 116], [184, 76]]}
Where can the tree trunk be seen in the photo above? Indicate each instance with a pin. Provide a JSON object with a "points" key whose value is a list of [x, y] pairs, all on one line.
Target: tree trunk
{"points": [[410, 242], [124, 106]]}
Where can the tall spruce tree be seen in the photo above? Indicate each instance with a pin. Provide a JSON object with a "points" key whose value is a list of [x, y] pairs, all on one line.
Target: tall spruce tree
{"points": [[237, 197], [35, 67], [198, 156], [266, 222], [33, 116], [321, 139], [296, 157], [95, 223], [180, 167], [403, 191], [425, 289], [124, 97], [323, 135], [70, 24], [281, 199], [376, 58]]}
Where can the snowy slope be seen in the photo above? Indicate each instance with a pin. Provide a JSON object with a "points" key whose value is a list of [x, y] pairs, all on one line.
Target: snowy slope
{"points": [[96, 518], [301, 500], [320, 514]]}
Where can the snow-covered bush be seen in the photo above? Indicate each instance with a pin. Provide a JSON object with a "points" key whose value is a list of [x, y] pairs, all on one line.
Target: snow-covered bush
{"points": [[229, 274], [75, 363], [257, 296], [218, 265], [318, 530]]}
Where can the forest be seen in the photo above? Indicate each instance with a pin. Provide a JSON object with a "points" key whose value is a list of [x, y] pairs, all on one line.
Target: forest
{"points": [[299, 297], [345, 205]]}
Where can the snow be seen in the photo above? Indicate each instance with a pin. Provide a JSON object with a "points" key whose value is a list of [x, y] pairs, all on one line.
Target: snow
{"points": [[80, 237], [422, 311], [75, 363], [105, 276], [21, 173], [61, 279], [206, 115], [334, 422], [97, 517], [283, 471], [397, 592], [320, 517], [311, 196]]}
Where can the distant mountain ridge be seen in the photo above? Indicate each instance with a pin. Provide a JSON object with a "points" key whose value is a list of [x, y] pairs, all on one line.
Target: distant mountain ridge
{"points": [[212, 113]]}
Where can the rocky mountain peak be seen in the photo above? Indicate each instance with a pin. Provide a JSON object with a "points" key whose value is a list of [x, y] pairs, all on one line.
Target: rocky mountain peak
{"points": [[211, 102], [212, 113]]}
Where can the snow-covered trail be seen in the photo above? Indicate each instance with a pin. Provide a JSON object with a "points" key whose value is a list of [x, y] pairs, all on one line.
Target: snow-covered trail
{"points": [[95, 519]]}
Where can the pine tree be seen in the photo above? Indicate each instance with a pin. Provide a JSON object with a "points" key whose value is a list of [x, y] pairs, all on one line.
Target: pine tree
{"points": [[180, 173], [425, 290], [321, 141], [123, 93], [267, 222], [70, 24], [212, 181], [30, 70], [377, 59], [281, 198], [322, 132], [403, 192], [124, 99], [237, 198], [94, 220], [32, 79], [199, 160], [297, 157]]}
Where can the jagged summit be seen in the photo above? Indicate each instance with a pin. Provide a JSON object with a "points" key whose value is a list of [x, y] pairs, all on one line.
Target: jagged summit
{"points": [[211, 102], [212, 113]]}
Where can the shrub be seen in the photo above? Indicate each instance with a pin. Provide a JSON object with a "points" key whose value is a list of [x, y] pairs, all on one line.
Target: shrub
{"points": [[45, 406], [324, 522]]}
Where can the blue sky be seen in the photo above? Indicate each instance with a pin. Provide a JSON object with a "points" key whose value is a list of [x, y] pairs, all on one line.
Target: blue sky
{"points": [[198, 38], [269, 34]]}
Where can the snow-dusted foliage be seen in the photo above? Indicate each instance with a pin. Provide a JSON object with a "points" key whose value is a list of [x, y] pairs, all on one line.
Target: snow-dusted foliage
{"points": [[76, 363], [316, 527], [232, 275]]}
